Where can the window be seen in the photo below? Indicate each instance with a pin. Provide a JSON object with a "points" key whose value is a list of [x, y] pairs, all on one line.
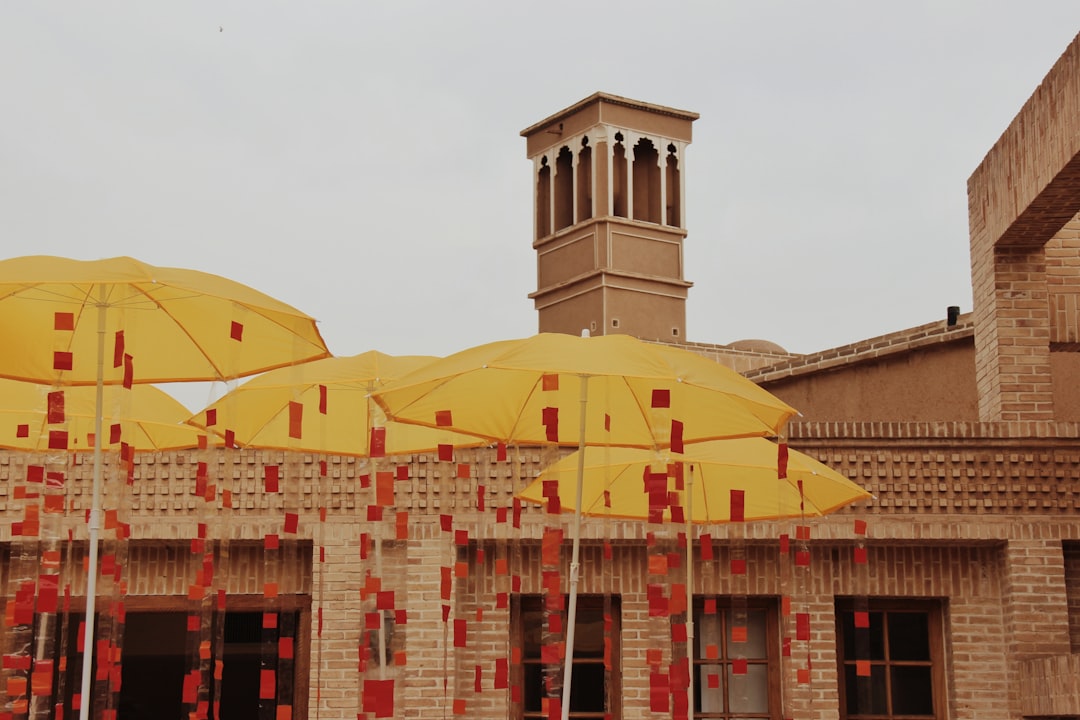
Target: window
{"points": [[156, 658], [891, 659], [736, 659], [595, 692]]}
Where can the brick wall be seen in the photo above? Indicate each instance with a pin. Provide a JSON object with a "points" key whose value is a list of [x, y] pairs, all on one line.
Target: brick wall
{"points": [[965, 513]]}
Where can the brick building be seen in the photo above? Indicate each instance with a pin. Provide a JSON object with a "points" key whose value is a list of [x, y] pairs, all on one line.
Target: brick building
{"points": [[324, 599]]}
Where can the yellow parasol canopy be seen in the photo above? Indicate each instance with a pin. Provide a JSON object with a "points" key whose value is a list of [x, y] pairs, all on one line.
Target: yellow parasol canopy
{"points": [[528, 391], [612, 390], [149, 418], [324, 406], [175, 325], [616, 482], [121, 321]]}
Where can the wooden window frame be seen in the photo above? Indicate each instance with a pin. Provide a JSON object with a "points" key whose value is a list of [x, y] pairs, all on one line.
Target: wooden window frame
{"points": [[613, 700], [934, 611], [772, 660]]}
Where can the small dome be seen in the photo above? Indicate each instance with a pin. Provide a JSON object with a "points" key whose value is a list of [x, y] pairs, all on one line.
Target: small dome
{"points": [[761, 346]]}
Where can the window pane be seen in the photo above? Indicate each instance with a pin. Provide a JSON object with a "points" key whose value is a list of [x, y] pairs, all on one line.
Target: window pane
{"points": [[534, 686], [865, 695], [532, 624], [749, 693], [909, 636], [707, 630], [755, 646], [587, 692], [912, 692], [709, 699], [589, 636]]}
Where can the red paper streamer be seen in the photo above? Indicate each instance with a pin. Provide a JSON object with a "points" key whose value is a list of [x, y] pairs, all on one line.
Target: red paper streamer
{"points": [[661, 398], [236, 332], [55, 403], [63, 321], [377, 442], [271, 475], [738, 502], [296, 419]]}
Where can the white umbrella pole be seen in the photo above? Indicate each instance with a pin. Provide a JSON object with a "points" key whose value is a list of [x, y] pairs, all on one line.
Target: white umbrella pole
{"points": [[690, 649], [94, 524], [571, 616]]}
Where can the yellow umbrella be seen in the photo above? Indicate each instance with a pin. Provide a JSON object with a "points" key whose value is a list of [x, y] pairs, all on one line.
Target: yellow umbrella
{"points": [[149, 418], [612, 390], [325, 406], [58, 316], [616, 482], [720, 481], [175, 324]]}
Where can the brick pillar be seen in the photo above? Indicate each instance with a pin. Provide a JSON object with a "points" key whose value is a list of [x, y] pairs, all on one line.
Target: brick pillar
{"points": [[1035, 606], [426, 641], [1012, 333]]}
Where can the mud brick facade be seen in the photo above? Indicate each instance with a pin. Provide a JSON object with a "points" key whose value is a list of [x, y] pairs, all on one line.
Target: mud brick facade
{"points": [[966, 430]]}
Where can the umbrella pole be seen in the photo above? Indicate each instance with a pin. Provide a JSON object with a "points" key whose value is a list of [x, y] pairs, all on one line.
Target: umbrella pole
{"points": [[690, 588], [575, 567], [94, 524]]}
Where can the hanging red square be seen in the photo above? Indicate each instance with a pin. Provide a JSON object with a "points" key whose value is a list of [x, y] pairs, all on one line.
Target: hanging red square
{"points": [[860, 556], [705, 541], [738, 502], [62, 360], [271, 475], [55, 404], [22, 431], [549, 382], [211, 417], [58, 440], [236, 332], [781, 460], [115, 431], [292, 521], [500, 452], [550, 420], [378, 697], [860, 527], [446, 453], [118, 349], [322, 399], [676, 436], [267, 684], [63, 321], [661, 398], [443, 418], [802, 626], [296, 419], [862, 619], [377, 442], [129, 372]]}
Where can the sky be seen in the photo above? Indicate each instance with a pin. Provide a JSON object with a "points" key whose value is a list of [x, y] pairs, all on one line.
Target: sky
{"points": [[362, 161]]}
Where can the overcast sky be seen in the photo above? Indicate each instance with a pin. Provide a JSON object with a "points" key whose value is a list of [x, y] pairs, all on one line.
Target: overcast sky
{"points": [[362, 161]]}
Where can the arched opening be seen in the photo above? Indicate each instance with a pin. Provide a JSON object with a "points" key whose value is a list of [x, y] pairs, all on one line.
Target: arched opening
{"points": [[543, 200], [564, 189], [618, 178], [674, 199], [584, 182], [646, 182]]}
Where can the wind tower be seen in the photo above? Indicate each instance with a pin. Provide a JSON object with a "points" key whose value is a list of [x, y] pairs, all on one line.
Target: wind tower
{"points": [[609, 218]]}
